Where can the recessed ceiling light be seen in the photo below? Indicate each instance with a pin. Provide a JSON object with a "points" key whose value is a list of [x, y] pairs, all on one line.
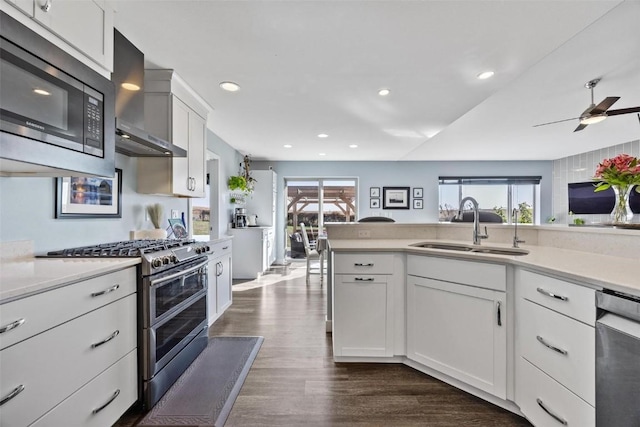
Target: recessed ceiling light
{"points": [[485, 75], [322, 154], [323, 135], [230, 86], [353, 146], [287, 145], [42, 92], [384, 92], [130, 86]]}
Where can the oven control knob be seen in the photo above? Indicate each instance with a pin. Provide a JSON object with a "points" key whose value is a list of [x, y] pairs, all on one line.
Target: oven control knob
{"points": [[166, 259], [174, 259], [199, 250], [207, 248], [156, 262]]}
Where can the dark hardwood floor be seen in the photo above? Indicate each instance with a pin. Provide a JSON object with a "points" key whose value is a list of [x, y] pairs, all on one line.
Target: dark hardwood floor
{"points": [[294, 381]]}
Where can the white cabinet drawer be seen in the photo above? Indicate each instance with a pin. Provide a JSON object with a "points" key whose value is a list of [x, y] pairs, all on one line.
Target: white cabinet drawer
{"points": [[116, 386], [53, 365], [560, 346], [49, 309], [220, 248], [368, 262], [567, 298], [541, 399], [490, 276]]}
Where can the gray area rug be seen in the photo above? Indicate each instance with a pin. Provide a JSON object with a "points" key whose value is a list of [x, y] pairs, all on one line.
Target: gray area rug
{"points": [[204, 395]]}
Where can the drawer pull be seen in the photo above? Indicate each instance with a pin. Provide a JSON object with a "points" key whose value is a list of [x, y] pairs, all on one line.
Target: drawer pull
{"points": [[551, 414], [106, 291], [364, 279], [225, 248], [106, 340], [95, 411], [499, 314], [11, 326], [552, 295], [16, 391], [362, 264], [546, 344]]}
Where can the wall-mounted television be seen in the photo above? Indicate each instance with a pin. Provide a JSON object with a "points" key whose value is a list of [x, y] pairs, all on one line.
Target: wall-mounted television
{"points": [[583, 200]]}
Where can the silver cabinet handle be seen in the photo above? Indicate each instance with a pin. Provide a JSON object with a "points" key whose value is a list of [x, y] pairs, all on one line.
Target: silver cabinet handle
{"points": [[106, 340], [46, 6], [554, 416], [16, 391], [556, 349], [364, 279], [95, 411], [225, 248], [499, 314], [11, 325], [106, 291], [552, 295], [360, 264]]}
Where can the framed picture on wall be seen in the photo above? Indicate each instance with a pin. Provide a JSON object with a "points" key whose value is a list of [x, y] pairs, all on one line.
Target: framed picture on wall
{"points": [[374, 192], [374, 203], [395, 198], [417, 193], [89, 197], [417, 203]]}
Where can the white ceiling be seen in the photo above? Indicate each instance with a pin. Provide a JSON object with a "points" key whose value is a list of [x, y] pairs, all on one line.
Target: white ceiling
{"points": [[309, 67]]}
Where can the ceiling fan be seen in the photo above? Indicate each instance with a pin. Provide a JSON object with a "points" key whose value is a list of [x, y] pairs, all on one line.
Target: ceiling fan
{"points": [[596, 113]]}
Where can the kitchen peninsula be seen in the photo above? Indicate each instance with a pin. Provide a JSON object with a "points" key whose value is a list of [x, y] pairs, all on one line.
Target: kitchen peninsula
{"points": [[479, 321]]}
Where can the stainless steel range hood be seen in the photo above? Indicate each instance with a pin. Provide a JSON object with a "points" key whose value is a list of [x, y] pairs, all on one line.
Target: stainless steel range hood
{"points": [[131, 138]]}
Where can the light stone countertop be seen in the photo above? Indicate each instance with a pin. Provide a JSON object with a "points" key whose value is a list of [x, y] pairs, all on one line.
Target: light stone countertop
{"points": [[26, 276], [590, 269]]}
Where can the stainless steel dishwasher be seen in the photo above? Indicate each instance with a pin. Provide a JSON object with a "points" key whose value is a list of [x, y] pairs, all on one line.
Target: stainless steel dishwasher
{"points": [[617, 359]]}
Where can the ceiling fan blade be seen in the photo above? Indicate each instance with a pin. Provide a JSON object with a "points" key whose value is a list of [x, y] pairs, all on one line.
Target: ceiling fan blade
{"points": [[580, 127], [604, 105], [623, 111], [558, 121]]}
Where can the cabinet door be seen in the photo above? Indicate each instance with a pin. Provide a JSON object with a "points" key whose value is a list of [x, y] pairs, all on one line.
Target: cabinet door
{"points": [[180, 137], [223, 283], [361, 322], [196, 154], [87, 25], [458, 330]]}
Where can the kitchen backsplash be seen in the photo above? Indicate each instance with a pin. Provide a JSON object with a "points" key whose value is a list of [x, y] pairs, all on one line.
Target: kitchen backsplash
{"points": [[580, 168]]}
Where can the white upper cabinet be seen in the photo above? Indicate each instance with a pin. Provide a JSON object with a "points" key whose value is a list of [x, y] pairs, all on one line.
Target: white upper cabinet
{"points": [[174, 113], [85, 25]]}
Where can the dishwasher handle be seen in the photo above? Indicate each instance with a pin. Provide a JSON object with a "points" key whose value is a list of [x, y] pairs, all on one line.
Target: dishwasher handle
{"points": [[622, 304]]}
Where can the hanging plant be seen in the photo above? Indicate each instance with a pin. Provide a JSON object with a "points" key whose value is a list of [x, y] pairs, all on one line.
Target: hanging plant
{"points": [[243, 182]]}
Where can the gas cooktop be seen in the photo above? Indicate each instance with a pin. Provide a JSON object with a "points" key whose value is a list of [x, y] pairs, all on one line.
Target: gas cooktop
{"points": [[124, 249]]}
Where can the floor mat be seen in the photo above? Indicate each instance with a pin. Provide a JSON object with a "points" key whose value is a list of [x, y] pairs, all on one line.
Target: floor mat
{"points": [[204, 395]]}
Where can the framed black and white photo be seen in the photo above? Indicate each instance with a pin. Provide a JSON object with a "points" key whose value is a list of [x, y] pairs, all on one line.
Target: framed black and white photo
{"points": [[395, 198], [89, 197], [374, 192], [417, 193], [374, 203], [417, 203]]}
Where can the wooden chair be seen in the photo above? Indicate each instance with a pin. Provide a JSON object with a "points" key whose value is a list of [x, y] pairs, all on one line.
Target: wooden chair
{"points": [[310, 252]]}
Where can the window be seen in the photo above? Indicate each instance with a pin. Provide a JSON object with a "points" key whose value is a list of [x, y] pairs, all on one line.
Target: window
{"points": [[499, 195]]}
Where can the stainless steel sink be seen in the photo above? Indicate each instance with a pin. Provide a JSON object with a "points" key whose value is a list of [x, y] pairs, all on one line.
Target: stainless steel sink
{"points": [[461, 247], [447, 246]]}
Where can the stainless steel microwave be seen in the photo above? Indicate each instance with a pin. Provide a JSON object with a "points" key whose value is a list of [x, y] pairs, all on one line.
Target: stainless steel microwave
{"points": [[55, 112]]}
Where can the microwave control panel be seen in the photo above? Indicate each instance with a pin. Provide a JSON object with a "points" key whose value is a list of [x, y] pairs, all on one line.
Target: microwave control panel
{"points": [[93, 128]]}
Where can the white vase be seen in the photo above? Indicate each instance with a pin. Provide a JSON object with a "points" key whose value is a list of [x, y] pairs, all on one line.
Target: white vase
{"points": [[157, 233]]}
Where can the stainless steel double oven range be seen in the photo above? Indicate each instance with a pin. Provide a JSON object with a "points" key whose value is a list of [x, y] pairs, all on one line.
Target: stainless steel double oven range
{"points": [[172, 306]]}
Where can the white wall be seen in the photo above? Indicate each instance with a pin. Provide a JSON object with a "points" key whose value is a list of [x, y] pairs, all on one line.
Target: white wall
{"points": [[402, 174], [581, 168]]}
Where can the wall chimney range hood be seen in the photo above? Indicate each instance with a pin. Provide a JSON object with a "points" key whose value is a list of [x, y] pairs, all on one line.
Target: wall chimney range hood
{"points": [[131, 138]]}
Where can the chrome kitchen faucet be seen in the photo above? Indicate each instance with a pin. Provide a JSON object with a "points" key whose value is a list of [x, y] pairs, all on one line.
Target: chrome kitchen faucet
{"points": [[477, 236]]}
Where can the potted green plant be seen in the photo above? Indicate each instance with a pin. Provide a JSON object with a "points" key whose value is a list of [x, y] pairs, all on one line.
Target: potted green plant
{"points": [[241, 185]]}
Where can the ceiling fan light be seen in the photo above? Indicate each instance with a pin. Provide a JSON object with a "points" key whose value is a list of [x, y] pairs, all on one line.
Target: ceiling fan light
{"points": [[593, 119]]}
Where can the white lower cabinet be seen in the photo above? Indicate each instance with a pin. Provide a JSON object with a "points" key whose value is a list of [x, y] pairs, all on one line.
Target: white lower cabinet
{"points": [[87, 353], [458, 330], [219, 294], [555, 350], [360, 316], [251, 247]]}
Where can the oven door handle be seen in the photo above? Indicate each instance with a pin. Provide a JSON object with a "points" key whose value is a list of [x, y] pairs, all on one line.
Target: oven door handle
{"points": [[179, 274]]}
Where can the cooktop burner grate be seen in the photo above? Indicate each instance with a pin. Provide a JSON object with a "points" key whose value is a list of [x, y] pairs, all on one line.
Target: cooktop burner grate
{"points": [[124, 249]]}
